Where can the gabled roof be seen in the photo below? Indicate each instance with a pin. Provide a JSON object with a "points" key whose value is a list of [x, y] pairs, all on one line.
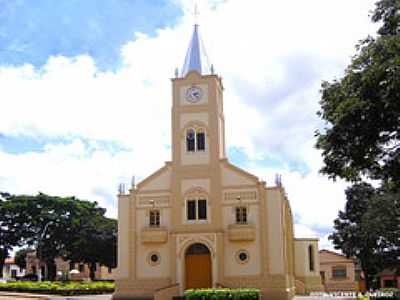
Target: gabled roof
{"points": [[9, 261], [196, 58], [333, 253]]}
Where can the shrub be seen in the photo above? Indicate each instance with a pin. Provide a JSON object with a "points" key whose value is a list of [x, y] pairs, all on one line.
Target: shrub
{"points": [[222, 294], [59, 288]]}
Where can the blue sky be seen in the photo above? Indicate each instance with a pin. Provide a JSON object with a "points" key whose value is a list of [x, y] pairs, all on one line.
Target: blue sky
{"points": [[31, 31], [85, 91]]}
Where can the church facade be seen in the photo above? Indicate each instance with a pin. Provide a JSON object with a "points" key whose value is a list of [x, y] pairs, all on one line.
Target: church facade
{"points": [[200, 221]]}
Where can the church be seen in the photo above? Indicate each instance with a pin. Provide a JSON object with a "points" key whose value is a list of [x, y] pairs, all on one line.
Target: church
{"points": [[199, 221]]}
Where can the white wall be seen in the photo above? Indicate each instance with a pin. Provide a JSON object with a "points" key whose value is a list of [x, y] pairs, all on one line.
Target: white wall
{"points": [[7, 271]]}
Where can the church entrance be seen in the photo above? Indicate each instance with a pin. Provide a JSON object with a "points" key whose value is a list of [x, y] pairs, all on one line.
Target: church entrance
{"points": [[198, 267]]}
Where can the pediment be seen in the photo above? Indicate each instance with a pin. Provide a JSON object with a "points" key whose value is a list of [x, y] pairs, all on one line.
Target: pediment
{"points": [[159, 180], [233, 176]]}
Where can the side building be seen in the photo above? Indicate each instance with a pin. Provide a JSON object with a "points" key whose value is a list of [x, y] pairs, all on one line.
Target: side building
{"points": [[337, 272], [65, 268], [11, 270]]}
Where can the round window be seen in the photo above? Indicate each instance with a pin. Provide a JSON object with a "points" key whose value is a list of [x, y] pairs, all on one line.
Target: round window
{"points": [[242, 256], [153, 258]]}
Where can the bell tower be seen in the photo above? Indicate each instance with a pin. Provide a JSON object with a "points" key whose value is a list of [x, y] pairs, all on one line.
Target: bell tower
{"points": [[198, 134]]}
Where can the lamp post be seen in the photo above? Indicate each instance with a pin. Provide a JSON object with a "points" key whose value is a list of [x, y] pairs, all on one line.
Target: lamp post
{"points": [[39, 250]]}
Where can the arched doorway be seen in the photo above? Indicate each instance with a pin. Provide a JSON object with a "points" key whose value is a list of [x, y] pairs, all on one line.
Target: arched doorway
{"points": [[198, 267]]}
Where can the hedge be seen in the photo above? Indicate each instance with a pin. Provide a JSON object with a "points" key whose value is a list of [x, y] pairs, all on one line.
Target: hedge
{"points": [[59, 288], [223, 293]]}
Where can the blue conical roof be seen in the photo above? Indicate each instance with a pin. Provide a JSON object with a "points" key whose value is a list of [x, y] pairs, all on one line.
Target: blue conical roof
{"points": [[196, 58]]}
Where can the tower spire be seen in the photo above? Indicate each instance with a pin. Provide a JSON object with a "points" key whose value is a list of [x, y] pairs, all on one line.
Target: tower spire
{"points": [[196, 57]]}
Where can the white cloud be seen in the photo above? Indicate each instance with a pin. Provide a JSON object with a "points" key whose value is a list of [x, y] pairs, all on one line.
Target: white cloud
{"points": [[272, 56]]}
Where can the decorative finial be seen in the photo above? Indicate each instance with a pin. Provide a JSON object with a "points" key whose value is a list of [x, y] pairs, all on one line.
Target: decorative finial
{"points": [[133, 183], [121, 188], [212, 69], [176, 72], [278, 180]]}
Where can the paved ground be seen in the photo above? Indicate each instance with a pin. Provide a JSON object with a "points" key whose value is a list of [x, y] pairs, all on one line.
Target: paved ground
{"points": [[97, 297], [17, 296], [13, 297]]}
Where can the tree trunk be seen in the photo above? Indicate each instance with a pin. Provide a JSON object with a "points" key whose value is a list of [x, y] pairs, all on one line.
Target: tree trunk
{"points": [[367, 273], [92, 271], [3, 256], [51, 269], [1, 267]]}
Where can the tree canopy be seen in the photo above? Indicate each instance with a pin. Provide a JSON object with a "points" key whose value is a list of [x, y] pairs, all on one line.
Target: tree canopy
{"points": [[53, 225], [362, 110], [361, 141]]}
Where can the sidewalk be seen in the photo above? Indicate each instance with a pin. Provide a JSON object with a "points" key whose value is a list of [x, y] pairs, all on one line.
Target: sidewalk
{"points": [[22, 296]]}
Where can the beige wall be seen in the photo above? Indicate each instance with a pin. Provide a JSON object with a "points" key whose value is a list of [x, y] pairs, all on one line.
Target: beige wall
{"points": [[144, 269], [302, 268], [124, 251], [232, 266], [234, 178], [199, 183], [310, 279], [160, 181], [275, 233]]}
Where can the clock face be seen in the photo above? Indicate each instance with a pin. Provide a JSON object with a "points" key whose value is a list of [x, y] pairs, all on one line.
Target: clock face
{"points": [[194, 94]]}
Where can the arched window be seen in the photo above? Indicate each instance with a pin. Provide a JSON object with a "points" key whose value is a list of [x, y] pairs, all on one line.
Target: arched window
{"points": [[311, 257], [195, 139], [201, 140], [190, 140]]}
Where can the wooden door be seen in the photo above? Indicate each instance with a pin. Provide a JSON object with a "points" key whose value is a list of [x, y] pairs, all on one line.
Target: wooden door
{"points": [[198, 271]]}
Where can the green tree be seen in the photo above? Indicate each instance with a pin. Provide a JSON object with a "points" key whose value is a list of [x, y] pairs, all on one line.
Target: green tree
{"points": [[382, 221], [350, 235], [369, 228], [50, 224], [9, 236], [362, 109], [95, 244], [54, 226], [20, 257], [41, 222]]}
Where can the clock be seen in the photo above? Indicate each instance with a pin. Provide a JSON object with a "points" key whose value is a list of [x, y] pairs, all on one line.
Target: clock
{"points": [[194, 94]]}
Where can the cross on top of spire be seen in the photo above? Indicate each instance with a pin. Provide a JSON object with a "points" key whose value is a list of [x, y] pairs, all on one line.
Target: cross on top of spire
{"points": [[196, 14], [196, 58]]}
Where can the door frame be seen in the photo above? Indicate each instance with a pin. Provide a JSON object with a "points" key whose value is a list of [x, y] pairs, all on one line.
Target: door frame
{"points": [[180, 261]]}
